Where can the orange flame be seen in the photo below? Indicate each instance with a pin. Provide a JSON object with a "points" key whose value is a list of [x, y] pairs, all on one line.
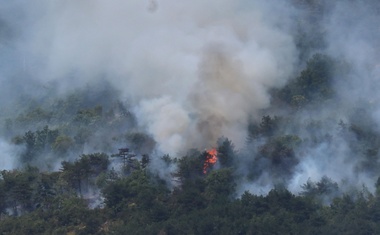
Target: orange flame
{"points": [[211, 159]]}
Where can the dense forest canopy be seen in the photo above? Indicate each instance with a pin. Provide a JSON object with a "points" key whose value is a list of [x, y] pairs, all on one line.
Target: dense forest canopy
{"points": [[206, 117]]}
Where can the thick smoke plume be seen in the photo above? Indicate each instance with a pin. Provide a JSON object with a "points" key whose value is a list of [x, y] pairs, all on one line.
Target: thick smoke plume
{"points": [[195, 71]]}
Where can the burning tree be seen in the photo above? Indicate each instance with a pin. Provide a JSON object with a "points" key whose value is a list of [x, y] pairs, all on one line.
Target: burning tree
{"points": [[211, 159]]}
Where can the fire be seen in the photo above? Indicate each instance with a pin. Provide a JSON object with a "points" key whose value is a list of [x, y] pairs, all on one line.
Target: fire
{"points": [[211, 159]]}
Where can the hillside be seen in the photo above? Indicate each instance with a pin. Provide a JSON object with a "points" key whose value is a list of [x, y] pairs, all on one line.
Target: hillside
{"points": [[209, 117]]}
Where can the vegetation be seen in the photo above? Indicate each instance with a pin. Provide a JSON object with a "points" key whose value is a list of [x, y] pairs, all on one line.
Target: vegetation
{"points": [[34, 202], [98, 194], [69, 178]]}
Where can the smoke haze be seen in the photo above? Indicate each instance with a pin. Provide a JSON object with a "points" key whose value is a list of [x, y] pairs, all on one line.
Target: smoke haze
{"points": [[196, 71], [201, 59]]}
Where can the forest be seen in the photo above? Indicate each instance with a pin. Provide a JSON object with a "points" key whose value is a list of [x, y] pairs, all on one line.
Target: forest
{"points": [[265, 140]]}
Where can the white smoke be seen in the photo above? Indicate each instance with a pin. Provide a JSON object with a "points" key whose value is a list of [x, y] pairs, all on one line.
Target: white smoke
{"points": [[195, 70], [9, 155]]}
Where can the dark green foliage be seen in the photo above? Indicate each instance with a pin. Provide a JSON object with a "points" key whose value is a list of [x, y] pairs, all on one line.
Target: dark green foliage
{"points": [[189, 197], [138, 192], [280, 147], [279, 152], [36, 143], [266, 128], [140, 203], [18, 190], [313, 85], [34, 202], [191, 167], [220, 186], [82, 172], [323, 191], [226, 152], [202, 197], [27, 190], [68, 214]]}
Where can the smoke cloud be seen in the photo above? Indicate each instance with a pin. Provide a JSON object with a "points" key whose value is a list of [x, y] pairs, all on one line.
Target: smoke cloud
{"points": [[196, 71], [186, 66], [9, 156]]}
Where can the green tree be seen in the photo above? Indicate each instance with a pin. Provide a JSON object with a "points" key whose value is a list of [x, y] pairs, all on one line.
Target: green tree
{"points": [[313, 85], [36, 143], [191, 167], [19, 189], [226, 152], [266, 128], [83, 172], [138, 190], [220, 186], [280, 153]]}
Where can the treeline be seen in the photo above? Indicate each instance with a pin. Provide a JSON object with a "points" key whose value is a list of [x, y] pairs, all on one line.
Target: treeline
{"points": [[59, 190], [98, 194], [139, 202]]}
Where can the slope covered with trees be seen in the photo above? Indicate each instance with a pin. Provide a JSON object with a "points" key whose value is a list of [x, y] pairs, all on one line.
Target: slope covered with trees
{"points": [[82, 161]]}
